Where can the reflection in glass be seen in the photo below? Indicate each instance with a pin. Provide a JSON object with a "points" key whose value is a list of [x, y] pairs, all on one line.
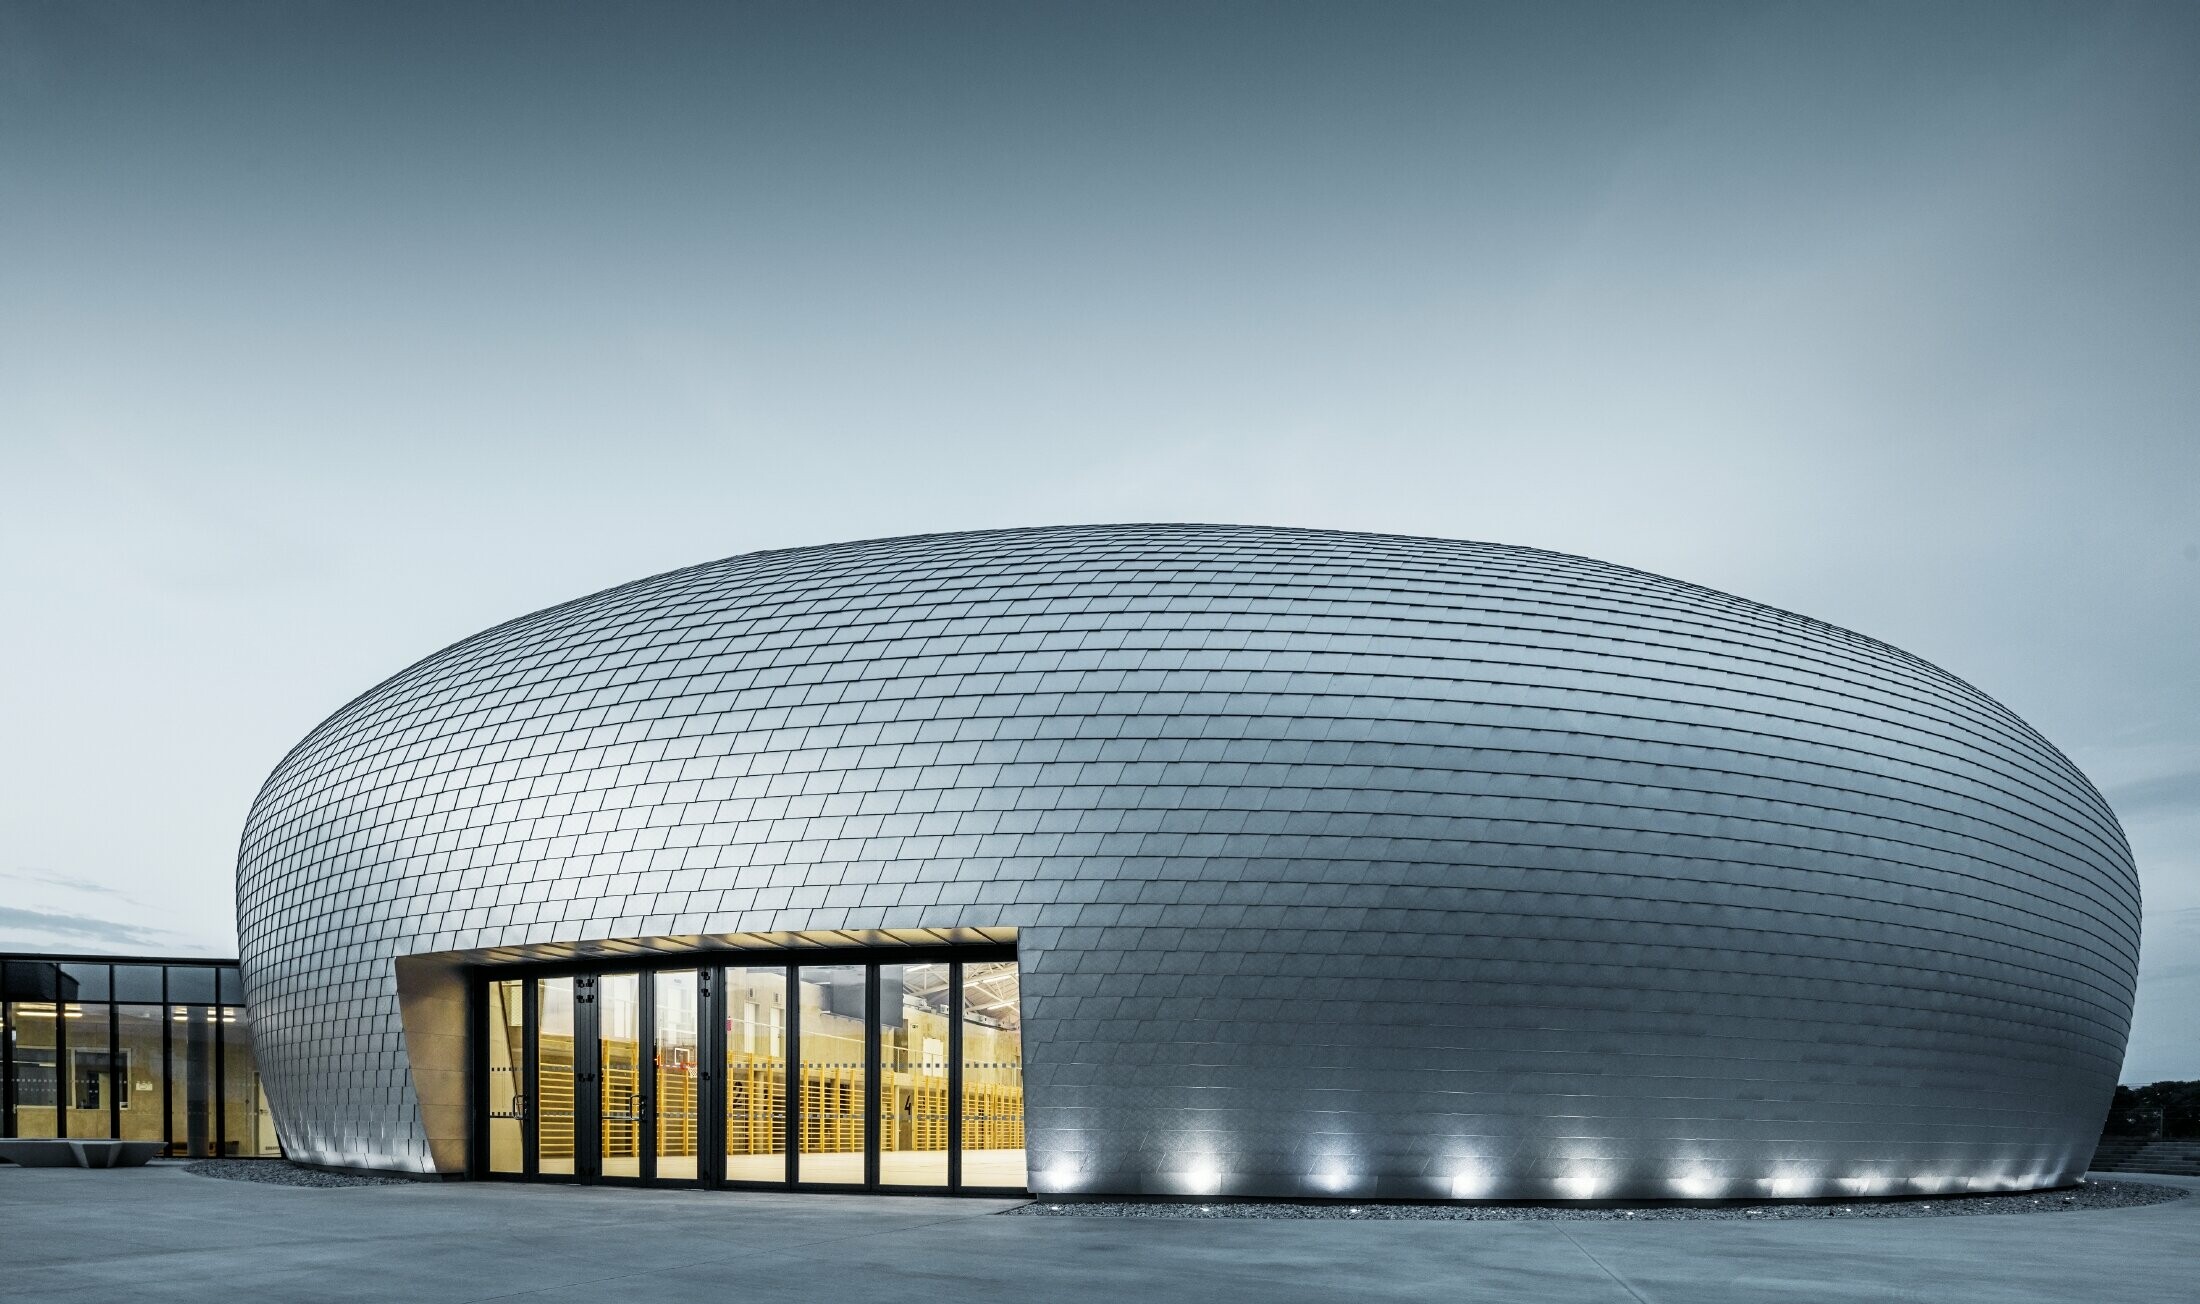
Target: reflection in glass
{"points": [[264, 1135], [831, 1106], [37, 1065], [619, 1071], [756, 1074], [992, 1076], [191, 1080], [679, 1083], [138, 1065], [191, 982], [89, 1082], [796, 1068], [912, 1098], [247, 1129], [84, 982], [139, 984], [553, 1101], [507, 1061]]}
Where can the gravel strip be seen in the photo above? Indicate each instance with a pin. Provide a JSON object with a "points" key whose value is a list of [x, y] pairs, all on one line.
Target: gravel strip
{"points": [[2091, 1195], [280, 1172]]}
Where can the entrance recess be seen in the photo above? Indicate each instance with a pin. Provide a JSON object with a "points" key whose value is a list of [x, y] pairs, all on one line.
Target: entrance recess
{"points": [[844, 1071]]}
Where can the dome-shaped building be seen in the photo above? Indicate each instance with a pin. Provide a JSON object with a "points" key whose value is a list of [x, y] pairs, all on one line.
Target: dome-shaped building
{"points": [[1188, 860]]}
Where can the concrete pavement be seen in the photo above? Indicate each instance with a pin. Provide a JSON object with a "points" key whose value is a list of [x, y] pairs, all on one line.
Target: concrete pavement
{"points": [[140, 1236]]}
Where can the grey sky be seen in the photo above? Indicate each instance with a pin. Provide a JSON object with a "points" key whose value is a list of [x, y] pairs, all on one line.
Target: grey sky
{"points": [[330, 334]]}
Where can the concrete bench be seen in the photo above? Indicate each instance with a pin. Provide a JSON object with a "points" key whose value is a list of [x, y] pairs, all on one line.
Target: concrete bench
{"points": [[79, 1154]]}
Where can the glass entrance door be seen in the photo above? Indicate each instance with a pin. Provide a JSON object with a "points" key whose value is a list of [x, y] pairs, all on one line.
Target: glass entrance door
{"points": [[594, 1076], [619, 1085], [555, 1101], [851, 1073], [753, 1082], [676, 1073]]}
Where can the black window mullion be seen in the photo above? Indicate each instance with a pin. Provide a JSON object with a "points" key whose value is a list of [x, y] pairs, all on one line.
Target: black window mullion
{"points": [[7, 1069], [530, 1114], [167, 1070], [64, 1080], [645, 1068], [954, 1075], [710, 1055], [478, 1123], [587, 1085], [794, 1072], [221, 1101], [872, 1086], [117, 1081]]}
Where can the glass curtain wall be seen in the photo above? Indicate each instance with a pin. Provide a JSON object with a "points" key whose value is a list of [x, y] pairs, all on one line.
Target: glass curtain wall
{"points": [[913, 1086], [676, 1065], [554, 1099], [992, 1076], [191, 1081], [874, 1073], [34, 1034], [88, 1081], [139, 1037], [507, 1047], [831, 1102], [136, 1051], [756, 1074], [85, 1059], [619, 1073], [244, 1110]]}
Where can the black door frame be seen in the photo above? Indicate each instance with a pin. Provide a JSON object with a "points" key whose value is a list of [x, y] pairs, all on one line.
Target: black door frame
{"points": [[710, 1048], [587, 1090]]}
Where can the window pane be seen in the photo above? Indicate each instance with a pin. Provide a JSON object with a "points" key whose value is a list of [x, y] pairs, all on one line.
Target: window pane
{"points": [[191, 982], [678, 1083], [756, 1075], [507, 1060], [247, 1128], [831, 1105], [993, 1077], [84, 982], [232, 986], [91, 1076], [913, 1026], [554, 1075], [137, 1052], [37, 1081], [30, 980], [619, 1071], [138, 982], [191, 1080]]}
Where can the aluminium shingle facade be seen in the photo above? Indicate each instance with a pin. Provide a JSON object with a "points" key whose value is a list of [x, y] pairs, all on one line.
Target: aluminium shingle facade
{"points": [[1336, 863]]}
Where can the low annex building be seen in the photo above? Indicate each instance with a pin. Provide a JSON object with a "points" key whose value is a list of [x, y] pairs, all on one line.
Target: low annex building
{"points": [[1189, 860]]}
